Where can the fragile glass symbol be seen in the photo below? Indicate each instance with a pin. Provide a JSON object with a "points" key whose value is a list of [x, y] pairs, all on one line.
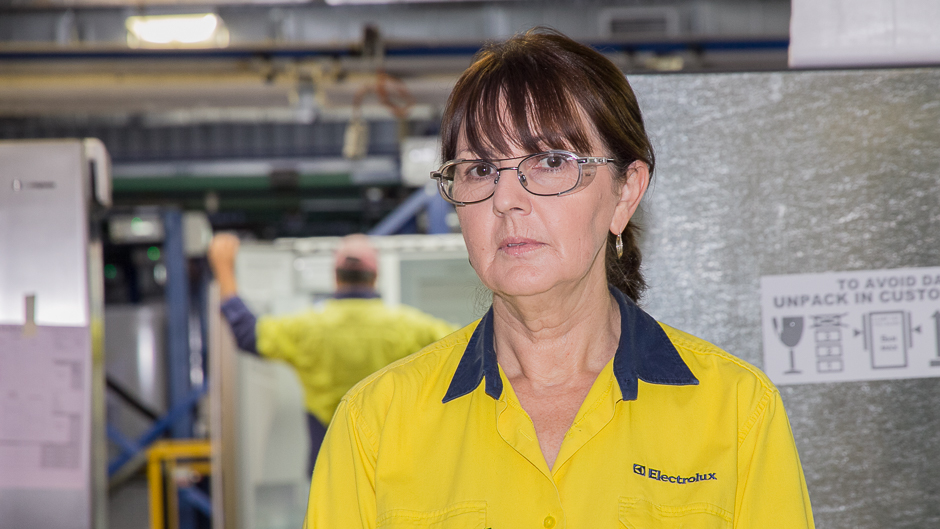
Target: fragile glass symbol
{"points": [[790, 334]]}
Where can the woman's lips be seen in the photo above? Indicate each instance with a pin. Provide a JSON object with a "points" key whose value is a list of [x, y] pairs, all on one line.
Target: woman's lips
{"points": [[517, 246]]}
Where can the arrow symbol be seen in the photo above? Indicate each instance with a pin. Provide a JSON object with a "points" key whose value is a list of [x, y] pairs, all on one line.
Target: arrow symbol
{"points": [[936, 326]]}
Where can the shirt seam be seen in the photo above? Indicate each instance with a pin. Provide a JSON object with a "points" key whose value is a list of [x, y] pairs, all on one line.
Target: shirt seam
{"points": [[463, 507], [518, 407], [753, 417], [597, 404], [677, 510], [715, 351], [355, 413], [766, 387]]}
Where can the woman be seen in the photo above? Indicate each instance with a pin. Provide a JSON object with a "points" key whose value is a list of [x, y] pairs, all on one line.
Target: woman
{"points": [[566, 405]]}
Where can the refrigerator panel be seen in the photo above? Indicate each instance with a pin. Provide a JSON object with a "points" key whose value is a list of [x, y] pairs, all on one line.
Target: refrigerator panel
{"points": [[43, 232], [51, 335]]}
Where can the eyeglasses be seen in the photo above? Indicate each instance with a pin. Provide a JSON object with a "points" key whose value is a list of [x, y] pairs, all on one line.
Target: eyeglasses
{"points": [[550, 173]]}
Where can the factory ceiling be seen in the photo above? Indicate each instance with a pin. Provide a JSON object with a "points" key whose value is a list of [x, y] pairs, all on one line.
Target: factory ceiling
{"points": [[302, 61]]}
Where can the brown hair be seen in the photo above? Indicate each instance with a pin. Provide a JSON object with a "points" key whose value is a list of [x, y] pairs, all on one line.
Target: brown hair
{"points": [[547, 82]]}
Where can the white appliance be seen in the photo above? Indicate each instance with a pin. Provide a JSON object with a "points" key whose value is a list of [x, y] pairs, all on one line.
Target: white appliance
{"points": [[52, 460]]}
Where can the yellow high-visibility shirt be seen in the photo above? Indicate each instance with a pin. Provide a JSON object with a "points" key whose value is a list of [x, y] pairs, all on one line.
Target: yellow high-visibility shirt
{"points": [[334, 346], [673, 433]]}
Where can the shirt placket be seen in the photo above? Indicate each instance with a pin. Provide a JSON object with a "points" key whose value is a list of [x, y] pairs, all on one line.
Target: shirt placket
{"points": [[515, 427], [596, 413]]}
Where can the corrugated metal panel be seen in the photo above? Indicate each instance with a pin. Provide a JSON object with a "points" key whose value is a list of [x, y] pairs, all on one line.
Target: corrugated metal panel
{"points": [[800, 172]]}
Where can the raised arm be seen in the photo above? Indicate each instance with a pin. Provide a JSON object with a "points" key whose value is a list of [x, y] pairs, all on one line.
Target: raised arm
{"points": [[222, 252]]}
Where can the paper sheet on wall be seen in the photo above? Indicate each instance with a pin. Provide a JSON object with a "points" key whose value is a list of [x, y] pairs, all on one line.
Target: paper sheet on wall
{"points": [[45, 404], [849, 326]]}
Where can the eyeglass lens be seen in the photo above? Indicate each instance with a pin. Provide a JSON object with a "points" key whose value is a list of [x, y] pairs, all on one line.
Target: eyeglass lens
{"points": [[541, 174]]}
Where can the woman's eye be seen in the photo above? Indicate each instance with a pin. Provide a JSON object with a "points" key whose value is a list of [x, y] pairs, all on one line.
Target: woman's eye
{"points": [[552, 162], [480, 171]]}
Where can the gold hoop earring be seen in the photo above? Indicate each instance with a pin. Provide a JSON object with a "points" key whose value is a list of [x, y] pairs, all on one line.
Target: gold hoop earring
{"points": [[619, 246]]}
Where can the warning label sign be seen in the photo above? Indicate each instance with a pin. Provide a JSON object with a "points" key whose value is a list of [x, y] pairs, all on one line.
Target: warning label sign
{"points": [[846, 326]]}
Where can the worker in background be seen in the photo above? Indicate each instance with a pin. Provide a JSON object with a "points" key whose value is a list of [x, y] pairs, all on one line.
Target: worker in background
{"points": [[333, 346]]}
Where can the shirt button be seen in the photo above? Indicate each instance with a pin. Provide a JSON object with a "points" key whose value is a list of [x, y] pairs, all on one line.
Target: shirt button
{"points": [[549, 522]]}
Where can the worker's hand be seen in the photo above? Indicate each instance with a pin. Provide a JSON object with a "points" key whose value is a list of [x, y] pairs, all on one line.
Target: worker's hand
{"points": [[221, 255], [222, 250]]}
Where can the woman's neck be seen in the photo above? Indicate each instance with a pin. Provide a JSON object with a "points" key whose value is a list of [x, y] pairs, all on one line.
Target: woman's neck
{"points": [[548, 339]]}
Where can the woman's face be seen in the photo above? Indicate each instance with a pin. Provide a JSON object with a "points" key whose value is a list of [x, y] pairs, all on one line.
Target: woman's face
{"points": [[521, 244]]}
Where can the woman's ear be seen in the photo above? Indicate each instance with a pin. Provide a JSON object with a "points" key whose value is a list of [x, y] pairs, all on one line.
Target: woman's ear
{"points": [[631, 191]]}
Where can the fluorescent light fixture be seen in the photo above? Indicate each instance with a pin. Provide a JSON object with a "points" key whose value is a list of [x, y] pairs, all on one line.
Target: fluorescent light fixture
{"points": [[204, 30], [368, 2]]}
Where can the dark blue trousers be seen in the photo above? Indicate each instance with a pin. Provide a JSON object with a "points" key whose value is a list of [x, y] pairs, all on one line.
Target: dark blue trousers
{"points": [[317, 432]]}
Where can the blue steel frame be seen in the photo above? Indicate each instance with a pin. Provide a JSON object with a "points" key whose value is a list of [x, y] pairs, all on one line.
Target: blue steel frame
{"points": [[392, 50], [177, 340], [178, 421], [428, 199], [131, 448], [177, 320]]}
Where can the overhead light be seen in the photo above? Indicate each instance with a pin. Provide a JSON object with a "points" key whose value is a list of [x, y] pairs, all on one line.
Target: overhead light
{"points": [[367, 2], [204, 30]]}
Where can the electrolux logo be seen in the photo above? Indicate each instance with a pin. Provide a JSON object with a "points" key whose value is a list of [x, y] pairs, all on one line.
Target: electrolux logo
{"points": [[658, 475], [19, 185]]}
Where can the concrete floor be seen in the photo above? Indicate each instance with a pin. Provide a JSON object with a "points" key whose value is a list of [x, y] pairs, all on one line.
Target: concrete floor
{"points": [[128, 506]]}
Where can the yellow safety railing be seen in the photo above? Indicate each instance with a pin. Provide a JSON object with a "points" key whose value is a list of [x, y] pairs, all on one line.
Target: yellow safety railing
{"points": [[167, 458]]}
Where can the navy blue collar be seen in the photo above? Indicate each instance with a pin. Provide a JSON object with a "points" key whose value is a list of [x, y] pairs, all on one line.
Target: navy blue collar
{"points": [[644, 353], [356, 293]]}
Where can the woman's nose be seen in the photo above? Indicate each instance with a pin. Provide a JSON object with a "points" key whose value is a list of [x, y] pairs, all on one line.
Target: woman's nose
{"points": [[509, 195]]}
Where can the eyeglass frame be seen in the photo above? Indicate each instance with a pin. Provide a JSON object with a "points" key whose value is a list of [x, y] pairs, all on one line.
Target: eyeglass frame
{"points": [[581, 160]]}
